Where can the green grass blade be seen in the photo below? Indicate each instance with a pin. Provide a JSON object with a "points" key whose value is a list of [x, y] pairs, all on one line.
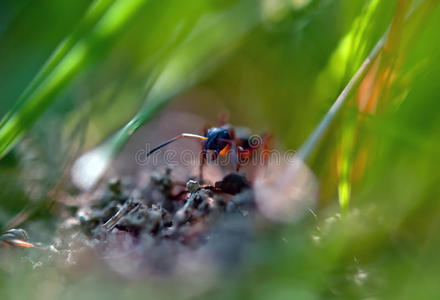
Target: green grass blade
{"points": [[94, 13], [102, 22], [309, 145]]}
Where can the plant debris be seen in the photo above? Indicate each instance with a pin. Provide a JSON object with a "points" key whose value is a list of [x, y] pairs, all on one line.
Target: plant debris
{"points": [[167, 224]]}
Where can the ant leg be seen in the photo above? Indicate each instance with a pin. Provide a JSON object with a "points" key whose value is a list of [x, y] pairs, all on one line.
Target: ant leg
{"points": [[237, 168], [235, 154], [202, 163], [215, 155], [238, 151], [203, 154]]}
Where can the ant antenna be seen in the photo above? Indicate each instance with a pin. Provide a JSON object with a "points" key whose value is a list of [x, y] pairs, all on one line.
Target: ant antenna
{"points": [[183, 135]]}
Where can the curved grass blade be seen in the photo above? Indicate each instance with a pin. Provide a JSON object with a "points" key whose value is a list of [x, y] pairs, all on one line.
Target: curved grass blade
{"points": [[102, 22], [309, 145], [352, 126], [374, 94]]}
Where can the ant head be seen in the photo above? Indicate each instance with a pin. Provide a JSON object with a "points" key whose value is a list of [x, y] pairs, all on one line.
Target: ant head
{"points": [[217, 137]]}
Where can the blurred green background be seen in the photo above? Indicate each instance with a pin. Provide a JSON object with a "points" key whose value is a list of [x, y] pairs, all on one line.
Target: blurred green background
{"points": [[72, 73]]}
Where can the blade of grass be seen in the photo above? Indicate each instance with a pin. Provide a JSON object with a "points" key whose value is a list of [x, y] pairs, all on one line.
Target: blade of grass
{"points": [[379, 81], [93, 14], [349, 147], [102, 22], [309, 145], [349, 136]]}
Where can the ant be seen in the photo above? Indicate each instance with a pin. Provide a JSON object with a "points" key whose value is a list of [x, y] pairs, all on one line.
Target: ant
{"points": [[223, 140]]}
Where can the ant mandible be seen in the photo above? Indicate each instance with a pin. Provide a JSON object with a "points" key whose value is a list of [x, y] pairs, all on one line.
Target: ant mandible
{"points": [[223, 140]]}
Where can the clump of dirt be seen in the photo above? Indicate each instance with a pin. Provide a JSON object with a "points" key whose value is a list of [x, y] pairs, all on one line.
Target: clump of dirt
{"points": [[167, 226]]}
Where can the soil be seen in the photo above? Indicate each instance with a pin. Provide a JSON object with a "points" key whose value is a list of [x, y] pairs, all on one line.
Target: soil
{"points": [[164, 228]]}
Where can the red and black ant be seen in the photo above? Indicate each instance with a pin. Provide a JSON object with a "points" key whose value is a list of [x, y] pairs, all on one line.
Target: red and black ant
{"points": [[223, 140]]}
